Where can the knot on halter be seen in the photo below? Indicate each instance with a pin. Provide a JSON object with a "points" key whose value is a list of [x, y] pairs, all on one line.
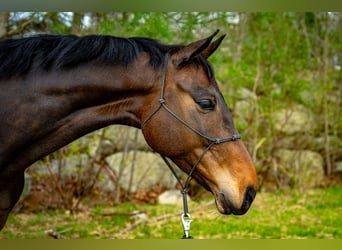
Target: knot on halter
{"points": [[161, 100], [218, 141], [235, 137], [183, 191]]}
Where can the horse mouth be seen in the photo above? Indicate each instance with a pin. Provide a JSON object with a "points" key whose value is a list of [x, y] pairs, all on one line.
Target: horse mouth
{"points": [[223, 200], [228, 202], [225, 206]]}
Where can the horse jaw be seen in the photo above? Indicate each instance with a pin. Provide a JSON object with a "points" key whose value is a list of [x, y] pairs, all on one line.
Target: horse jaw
{"points": [[231, 180]]}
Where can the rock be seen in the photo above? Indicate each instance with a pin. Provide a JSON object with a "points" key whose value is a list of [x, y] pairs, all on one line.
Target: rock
{"points": [[242, 112], [335, 143], [299, 169], [338, 166], [133, 170], [243, 108], [171, 197], [245, 94], [310, 142], [137, 215], [27, 186], [140, 170], [124, 136], [101, 148], [338, 169], [117, 138], [72, 165], [297, 119]]}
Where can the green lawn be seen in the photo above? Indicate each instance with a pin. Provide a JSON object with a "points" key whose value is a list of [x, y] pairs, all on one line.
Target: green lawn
{"points": [[280, 215]]}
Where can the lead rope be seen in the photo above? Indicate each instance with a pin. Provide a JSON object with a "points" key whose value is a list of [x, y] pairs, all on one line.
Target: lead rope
{"points": [[185, 216]]}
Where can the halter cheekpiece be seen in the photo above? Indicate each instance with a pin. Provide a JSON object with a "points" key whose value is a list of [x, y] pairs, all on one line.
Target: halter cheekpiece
{"points": [[185, 216]]}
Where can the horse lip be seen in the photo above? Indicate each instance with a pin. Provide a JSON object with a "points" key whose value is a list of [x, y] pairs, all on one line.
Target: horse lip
{"points": [[227, 206], [224, 203], [223, 209]]}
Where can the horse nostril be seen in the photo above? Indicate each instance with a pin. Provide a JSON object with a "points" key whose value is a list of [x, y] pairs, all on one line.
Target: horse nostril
{"points": [[249, 197], [251, 192]]}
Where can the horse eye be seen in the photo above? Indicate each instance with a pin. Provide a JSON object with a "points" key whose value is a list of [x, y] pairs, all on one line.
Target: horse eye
{"points": [[206, 104]]}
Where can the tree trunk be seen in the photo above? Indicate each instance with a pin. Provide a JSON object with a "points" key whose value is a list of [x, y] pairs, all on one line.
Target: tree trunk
{"points": [[325, 98], [77, 23], [3, 24]]}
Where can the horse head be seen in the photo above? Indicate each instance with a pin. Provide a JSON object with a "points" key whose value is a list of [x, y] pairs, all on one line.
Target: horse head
{"points": [[193, 126]]}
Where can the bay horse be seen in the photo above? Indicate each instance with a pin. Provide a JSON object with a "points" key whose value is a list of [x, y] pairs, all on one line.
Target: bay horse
{"points": [[57, 88]]}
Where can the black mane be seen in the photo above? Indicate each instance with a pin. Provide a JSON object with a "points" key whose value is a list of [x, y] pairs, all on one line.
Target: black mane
{"points": [[19, 56]]}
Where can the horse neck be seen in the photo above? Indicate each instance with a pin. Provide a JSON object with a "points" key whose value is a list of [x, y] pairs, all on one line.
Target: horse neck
{"points": [[51, 109], [116, 94]]}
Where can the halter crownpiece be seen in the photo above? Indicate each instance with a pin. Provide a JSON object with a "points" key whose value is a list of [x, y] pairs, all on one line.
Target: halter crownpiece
{"points": [[185, 216], [162, 104]]}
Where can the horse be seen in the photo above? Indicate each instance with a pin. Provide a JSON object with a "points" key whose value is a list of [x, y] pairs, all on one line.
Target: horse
{"points": [[57, 88]]}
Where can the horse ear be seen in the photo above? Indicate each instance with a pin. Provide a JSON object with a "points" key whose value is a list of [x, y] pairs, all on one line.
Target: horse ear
{"points": [[212, 47], [192, 50]]}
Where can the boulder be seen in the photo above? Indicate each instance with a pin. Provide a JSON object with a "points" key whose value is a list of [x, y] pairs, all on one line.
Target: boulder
{"points": [[242, 113], [27, 186], [138, 169], [297, 119], [299, 169], [117, 138], [245, 94], [338, 169], [310, 142], [174, 197], [71, 165], [124, 136], [243, 108], [171, 197]]}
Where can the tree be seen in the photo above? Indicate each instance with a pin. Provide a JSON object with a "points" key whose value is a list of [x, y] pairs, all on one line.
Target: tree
{"points": [[3, 23]]}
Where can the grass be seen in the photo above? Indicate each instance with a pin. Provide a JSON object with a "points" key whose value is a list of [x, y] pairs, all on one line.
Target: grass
{"points": [[280, 215]]}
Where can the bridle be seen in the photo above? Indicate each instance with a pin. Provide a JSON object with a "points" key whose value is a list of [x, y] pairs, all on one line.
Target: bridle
{"points": [[185, 217]]}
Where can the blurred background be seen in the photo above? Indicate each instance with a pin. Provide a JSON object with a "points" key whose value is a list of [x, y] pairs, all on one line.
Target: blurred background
{"points": [[280, 74]]}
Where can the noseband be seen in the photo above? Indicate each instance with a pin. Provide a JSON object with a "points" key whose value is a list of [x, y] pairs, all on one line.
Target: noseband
{"points": [[212, 141]]}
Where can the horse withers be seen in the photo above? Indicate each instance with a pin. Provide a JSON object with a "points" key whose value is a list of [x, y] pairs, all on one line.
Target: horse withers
{"points": [[57, 88]]}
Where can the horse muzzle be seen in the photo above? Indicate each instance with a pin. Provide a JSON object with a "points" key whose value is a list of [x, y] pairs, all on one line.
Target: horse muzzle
{"points": [[226, 205]]}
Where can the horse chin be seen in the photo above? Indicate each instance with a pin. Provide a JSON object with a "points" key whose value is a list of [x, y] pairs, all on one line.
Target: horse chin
{"points": [[222, 209], [225, 206], [222, 205]]}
